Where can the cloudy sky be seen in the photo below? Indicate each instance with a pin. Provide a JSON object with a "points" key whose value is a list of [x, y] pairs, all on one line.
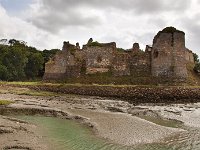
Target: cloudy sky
{"points": [[45, 24]]}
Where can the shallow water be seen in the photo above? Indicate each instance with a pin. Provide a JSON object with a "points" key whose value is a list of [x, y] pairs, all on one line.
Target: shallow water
{"points": [[70, 135]]}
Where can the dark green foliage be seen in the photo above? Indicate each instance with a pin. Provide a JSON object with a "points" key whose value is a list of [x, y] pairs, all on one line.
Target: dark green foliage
{"points": [[47, 54], [120, 50], [95, 44], [197, 67], [13, 60], [34, 65], [170, 30], [197, 63], [3, 72], [196, 57], [20, 62]]}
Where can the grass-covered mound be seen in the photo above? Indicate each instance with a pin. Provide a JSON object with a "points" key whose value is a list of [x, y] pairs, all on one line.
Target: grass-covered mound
{"points": [[5, 102]]}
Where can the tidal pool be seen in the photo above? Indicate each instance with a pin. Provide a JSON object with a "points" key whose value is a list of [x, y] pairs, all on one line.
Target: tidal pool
{"points": [[70, 135]]}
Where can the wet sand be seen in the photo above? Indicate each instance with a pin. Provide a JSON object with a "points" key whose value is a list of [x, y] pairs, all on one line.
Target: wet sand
{"points": [[15, 134], [187, 113], [126, 129], [109, 117]]}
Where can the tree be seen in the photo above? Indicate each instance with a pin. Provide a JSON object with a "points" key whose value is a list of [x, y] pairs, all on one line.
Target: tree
{"points": [[20, 62], [197, 68], [47, 54], [197, 63], [15, 60], [34, 65], [4, 74], [196, 58]]}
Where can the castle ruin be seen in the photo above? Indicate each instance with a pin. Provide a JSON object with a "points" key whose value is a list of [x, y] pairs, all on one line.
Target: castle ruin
{"points": [[167, 58]]}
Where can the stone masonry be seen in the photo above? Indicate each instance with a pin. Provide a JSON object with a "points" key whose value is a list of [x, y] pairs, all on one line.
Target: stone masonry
{"points": [[167, 57]]}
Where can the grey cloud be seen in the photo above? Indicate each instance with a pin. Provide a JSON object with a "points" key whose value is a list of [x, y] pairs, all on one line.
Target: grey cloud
{"points": [[142, 6], [54, 21], [53, 15], [192, 27]]}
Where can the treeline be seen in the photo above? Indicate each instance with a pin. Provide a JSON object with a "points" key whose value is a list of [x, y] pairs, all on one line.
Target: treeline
{"points": [[197, 63], [20, 62]]}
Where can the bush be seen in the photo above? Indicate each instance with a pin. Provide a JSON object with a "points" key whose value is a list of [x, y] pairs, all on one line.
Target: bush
{"points": [[121, 50], [95, 44], [5, 102], [196, 58], [170, 30], [197, 68]]}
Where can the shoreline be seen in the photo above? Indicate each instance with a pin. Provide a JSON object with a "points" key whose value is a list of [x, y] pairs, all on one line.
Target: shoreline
{"points": [[132, 94]]}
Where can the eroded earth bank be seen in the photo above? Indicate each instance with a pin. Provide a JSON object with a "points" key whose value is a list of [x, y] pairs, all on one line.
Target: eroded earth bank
{"points": [[117, 121]]}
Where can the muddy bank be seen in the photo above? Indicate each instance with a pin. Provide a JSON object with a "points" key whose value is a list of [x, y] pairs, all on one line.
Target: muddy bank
{"points": [[15, 110], [16, 134], [129, 93], [119, 128]]}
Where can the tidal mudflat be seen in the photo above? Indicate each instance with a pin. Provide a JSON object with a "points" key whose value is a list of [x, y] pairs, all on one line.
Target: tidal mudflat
{"points": [[112, 123]]}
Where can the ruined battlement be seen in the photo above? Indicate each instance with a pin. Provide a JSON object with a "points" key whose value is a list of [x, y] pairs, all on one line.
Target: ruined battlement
{"points": [[92, 44], [189, 56], [136, 47], [167, 57], [168, 31], [67, 46]]}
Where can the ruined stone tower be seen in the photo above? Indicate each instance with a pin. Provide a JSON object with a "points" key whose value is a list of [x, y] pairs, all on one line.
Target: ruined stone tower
{"points": [[64, 64], [136, 47], [168, 54]]}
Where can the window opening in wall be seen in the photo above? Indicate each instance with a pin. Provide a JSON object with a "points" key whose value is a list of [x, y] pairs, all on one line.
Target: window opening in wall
{"points": [[155, 54], [99, 59]]}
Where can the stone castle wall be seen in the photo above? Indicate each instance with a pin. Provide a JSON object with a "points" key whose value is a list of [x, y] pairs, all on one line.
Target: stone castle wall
{"points": [[56, 67], [189, 56], [99, 58], [121, 64], [140, 64], [167, 57], [64, 64]]}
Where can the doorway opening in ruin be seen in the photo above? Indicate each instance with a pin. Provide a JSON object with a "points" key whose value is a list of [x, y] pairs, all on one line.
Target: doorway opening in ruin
{"points": [[99, 59], [155, 54]]}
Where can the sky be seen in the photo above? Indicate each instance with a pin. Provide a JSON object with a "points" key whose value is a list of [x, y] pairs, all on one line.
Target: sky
{"points": [[45, 24]]}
